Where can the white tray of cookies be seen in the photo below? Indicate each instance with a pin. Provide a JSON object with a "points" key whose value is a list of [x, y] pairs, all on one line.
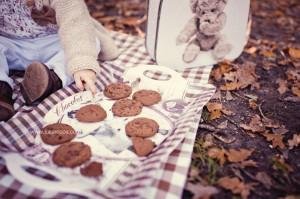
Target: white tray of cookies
{"points": [[94, 138]]}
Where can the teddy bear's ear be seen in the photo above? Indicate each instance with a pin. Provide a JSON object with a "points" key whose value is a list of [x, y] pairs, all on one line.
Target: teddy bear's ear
{"points": [[194, 4], [221, 4]]}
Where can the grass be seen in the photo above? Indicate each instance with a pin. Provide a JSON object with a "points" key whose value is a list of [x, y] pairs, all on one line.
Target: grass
{"points": [[207, 166]]}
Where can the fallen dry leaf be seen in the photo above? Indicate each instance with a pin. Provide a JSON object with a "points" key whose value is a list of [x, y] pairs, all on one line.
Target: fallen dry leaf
{"points": [[296, 91], [238, 155], [253, 104], [230, 86], [268, 53], [232, 155], [218, 154], [235, 186], [215, 114], [276, 140], [211, 106], [263, 178], [202, 192], [229, 183], [283, 62], [243, 77], [251, 50], [215, 110], [294, 53], [293, 74], [222, 68], [295, 141], [282, 86], [255, 125]]}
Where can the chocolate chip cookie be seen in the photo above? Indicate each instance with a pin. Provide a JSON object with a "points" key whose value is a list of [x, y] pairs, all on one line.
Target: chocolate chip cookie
{"points": [[127, 107], [117, 91], [141, 127], [91, 113], [93, 169], [71, 154], [142, 147], [58, 133], [147, 97]]}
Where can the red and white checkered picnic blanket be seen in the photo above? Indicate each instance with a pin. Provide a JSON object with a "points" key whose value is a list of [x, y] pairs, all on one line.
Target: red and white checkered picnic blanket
{"points": [[161, 175]]}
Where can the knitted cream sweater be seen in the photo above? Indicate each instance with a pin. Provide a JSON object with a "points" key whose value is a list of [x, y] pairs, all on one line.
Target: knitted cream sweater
{"points": [[78, 32]]}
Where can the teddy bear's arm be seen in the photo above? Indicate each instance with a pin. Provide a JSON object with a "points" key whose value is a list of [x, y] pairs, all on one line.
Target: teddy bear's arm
{"points": [[221, 20], [188, 31]]}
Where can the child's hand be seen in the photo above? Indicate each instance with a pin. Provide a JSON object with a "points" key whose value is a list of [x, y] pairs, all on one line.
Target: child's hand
{"points": [[85, 79]]}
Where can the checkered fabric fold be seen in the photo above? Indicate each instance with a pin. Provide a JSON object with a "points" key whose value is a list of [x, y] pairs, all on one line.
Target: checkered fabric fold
{"points": [[161, 175]]}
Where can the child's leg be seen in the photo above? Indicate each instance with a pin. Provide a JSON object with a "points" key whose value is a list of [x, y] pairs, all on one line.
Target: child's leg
{"points": [[4, 68], [19, 53], [51, 69], [53, 72]]}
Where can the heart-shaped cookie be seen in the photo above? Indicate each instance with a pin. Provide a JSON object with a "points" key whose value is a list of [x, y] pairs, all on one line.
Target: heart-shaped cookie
{"points": [[142, 147]]}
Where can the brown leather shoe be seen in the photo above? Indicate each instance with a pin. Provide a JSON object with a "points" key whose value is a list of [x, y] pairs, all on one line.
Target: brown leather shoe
{"points": [[6, 102], [39, 82]]}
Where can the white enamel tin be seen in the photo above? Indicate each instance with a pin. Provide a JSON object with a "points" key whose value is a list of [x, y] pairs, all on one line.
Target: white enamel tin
{"points": [[169, 31]]}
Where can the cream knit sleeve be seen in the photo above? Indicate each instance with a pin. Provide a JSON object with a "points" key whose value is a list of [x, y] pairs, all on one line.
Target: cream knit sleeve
{"points": [[77, 35]]}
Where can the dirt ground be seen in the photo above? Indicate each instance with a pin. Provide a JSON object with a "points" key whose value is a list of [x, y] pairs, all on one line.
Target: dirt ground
{"points": [[248, 141]]}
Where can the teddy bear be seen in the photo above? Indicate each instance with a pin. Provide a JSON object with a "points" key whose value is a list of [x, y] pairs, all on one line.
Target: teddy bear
{"points": [[203, 31]]}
